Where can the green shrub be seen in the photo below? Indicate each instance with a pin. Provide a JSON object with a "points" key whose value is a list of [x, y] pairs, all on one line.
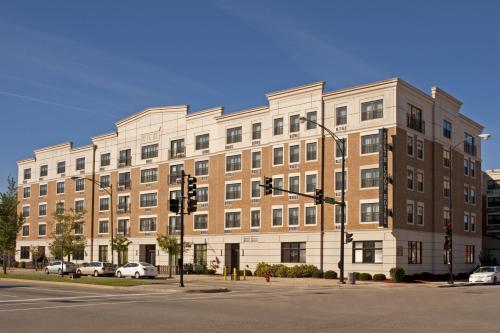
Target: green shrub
{"points": [[294, 272], [318, 274], [282, 271], [274, 269], [356, 275], [379, 277], [365, 277], [262, 268], [330, 275], [407, 278], [397, 274]]}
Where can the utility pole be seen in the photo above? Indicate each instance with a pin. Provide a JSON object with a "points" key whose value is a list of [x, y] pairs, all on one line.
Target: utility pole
{"points": [[181, 256]]}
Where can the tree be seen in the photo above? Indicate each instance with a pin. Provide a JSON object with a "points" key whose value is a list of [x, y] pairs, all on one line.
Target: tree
{"points": [[10, 221], [120, 245], [171, 245], [486, 258], [65, 241]]}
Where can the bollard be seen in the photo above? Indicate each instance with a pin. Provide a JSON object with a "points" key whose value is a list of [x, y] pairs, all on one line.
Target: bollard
{"points": [[224, 273], [234, 274], [244, 275]]}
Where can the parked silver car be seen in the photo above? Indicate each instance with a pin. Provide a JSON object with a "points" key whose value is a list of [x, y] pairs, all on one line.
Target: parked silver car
{"points": [[96, 268], [54, 267]]}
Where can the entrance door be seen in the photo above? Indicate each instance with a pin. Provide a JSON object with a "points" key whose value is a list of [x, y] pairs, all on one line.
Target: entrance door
{"points": [[151, 254], [232, 257]]}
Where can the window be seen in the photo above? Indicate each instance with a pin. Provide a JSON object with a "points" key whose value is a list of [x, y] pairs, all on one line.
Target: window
{"points": [[80, 163], [472, 167], [79, 228], [294, 154], [338, 214], [25, 230], [469, 146], [311, 116], [233, 163], [420, 214], [369, 177], [414, 253], [466, 222], [44, 170], [311, 215], [27, 174], [103, 226], [311, 183], [43, 190], [60, 187], [293, 252], [104, 182], [79, 206], [493, 184], [149, 175], [278, 156], [294, 123], [294, 183], [174, 225], [369, 212], [446, 188], [233, 191], [233, 135], [103, 204], [78, 253], [105, 159], [123, 227], [61, 167], [466, 193], [60, 208], [368, 252], [175, 194], [473, 223], [342, 143], [371, 110], [469, 254], [149, 151], [446, 129], [293, 216], [277, 217], [124, 203], [232, 220], [256, 159], [42, 209], [255, 218], [420, 181], [103, 253], [278, 126], [420, 149], [277, 184], [25, 252], [200, 254], [202, 141], [446, 216], [311, 151], [147, 224], [255, 189], [409, 145], [410, 208], [414, 119], [256, 131], [201, 168], [26, 192], [202, 194], [409, 178], [42, 230], [493, 202], [369, 144], [466, 166], [472, 196], [446, 158], [177, 148], [149, 200], [26, 211], [175, 173], [201, 222], [341, 115], [80, 184], [58, 229], [338, 181], [493, 219]]}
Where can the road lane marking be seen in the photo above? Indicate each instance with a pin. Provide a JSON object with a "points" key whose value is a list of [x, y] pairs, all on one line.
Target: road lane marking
{"points": [[5, 295], [73, 306], [60, 290], [83, 297]]}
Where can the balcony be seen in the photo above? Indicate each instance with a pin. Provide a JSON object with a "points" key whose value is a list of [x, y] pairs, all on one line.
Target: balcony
{"points": [[470, 148], [174, 229], [415, 123], [177, 153], [124, 162], [124, 186], [125, 231], [123, 208]]}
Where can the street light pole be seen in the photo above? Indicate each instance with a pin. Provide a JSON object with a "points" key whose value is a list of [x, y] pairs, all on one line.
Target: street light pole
{"points": [[341, 145]]}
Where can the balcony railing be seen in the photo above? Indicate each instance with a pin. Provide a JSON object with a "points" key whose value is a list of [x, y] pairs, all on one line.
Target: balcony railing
{"points": [[178, 153], [174, 229], [415, 123], [470, 148], [123, 231], [123, 162], [123, 208], [124, 185]]}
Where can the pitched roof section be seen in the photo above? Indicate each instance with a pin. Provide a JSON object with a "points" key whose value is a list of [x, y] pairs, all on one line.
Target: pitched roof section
{"points": [[160, 109]]}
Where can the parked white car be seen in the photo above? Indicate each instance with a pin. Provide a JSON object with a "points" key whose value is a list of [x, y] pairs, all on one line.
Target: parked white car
{"points": [[485, 274], [137, 270], [96, 268], [54, 267]]}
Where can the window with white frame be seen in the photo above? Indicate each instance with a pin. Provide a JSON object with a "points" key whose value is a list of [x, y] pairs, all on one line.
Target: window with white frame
{"points": [[338, 180], [233, 191], [372, 110], [27, 173], [104, 181], [202, 141], [472, 196], [202, 194], [466, 221], [80, 163], [277, 155], [25, 230], [80, 184], [105, 159], [294, 183], [410, 212], [277, 217], [233, 135], [256, 159], [310, 215], [255, 218], [60, 207], [104, 204], [61, 167], [294, 151], [409, 145], [369, 177], [311, 116], [256, 131], [339, 146], [369, 212], [473, 223], [42, 209], [255, 188], [293, 216], [149, 199], [294, 123], [446, 158], [278, 126], [277, 184], [311, 151], [409, 178], [367, 252], [420, 181], [149, 175], [414, 252], [420, 149], [369, 144], [311, 182], [466, 193], [201, 222], [341, 115], [42, 229], [26, 211], [446, 216], [233, 220], [149, 151], [43, 190], [420, 214], [469, 254], [44, 170], [472, 169], [147, 224], [79, 206], [103, 226], [446, 188], [26, 192], [233, 163], [201, 168]]}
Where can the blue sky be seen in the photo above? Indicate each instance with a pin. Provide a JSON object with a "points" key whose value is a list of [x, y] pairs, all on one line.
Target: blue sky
{"points": [[69, 70]]}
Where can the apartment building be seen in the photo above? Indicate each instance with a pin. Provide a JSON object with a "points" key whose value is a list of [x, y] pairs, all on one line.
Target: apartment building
{"points": [[491, 209], [400, 144]]}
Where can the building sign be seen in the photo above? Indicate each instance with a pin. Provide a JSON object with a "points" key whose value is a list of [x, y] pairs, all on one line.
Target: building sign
{"points": [[150, 137], [383, 179]]}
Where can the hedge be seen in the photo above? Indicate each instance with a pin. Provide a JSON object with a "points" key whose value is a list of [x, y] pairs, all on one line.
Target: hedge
{"points": [[280, 270], [330, 275], [379, 277], [365, 277], [397, 274]]}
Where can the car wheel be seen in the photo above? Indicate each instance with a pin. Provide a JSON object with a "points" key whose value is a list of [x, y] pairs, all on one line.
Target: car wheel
{"points": [[494, 280], [96, 273], [79, 272], [137, 275], [118, 274], [59, 271], [47, 271]]}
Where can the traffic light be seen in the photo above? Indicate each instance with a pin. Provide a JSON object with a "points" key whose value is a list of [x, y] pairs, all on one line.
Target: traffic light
{"points": [[268, 185], [174, 205], [318, 198], [192, 203], [348, 238]]}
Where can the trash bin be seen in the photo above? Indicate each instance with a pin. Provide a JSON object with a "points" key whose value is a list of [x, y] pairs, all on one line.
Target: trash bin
{"points": [[351, 278]]}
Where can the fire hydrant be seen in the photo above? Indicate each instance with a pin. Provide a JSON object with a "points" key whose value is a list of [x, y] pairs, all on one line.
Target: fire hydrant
{"points": [[267, 277]]}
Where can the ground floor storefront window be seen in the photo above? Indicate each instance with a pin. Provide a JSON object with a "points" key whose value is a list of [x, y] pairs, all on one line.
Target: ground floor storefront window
{"points": [[367, 252], [414, 252], [200, 254], [293, 252]]}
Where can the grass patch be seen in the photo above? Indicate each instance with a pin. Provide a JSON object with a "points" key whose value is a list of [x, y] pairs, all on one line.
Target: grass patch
{"points": [[101, 281]]}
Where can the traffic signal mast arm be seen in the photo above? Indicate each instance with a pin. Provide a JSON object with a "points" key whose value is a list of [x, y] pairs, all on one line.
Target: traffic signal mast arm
{"points": [[326, 199]]}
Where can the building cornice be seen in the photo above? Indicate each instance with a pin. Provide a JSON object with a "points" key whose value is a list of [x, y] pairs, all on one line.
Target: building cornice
{"points": [[104, 136], [66, 145], [355, 89], [243, 113], [135, 116], [217, 110], [438, 91], [296, 90]]}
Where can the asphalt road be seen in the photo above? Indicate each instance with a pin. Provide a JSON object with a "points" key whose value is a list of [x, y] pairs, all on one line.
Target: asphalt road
{"points": [[28, 307]]}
